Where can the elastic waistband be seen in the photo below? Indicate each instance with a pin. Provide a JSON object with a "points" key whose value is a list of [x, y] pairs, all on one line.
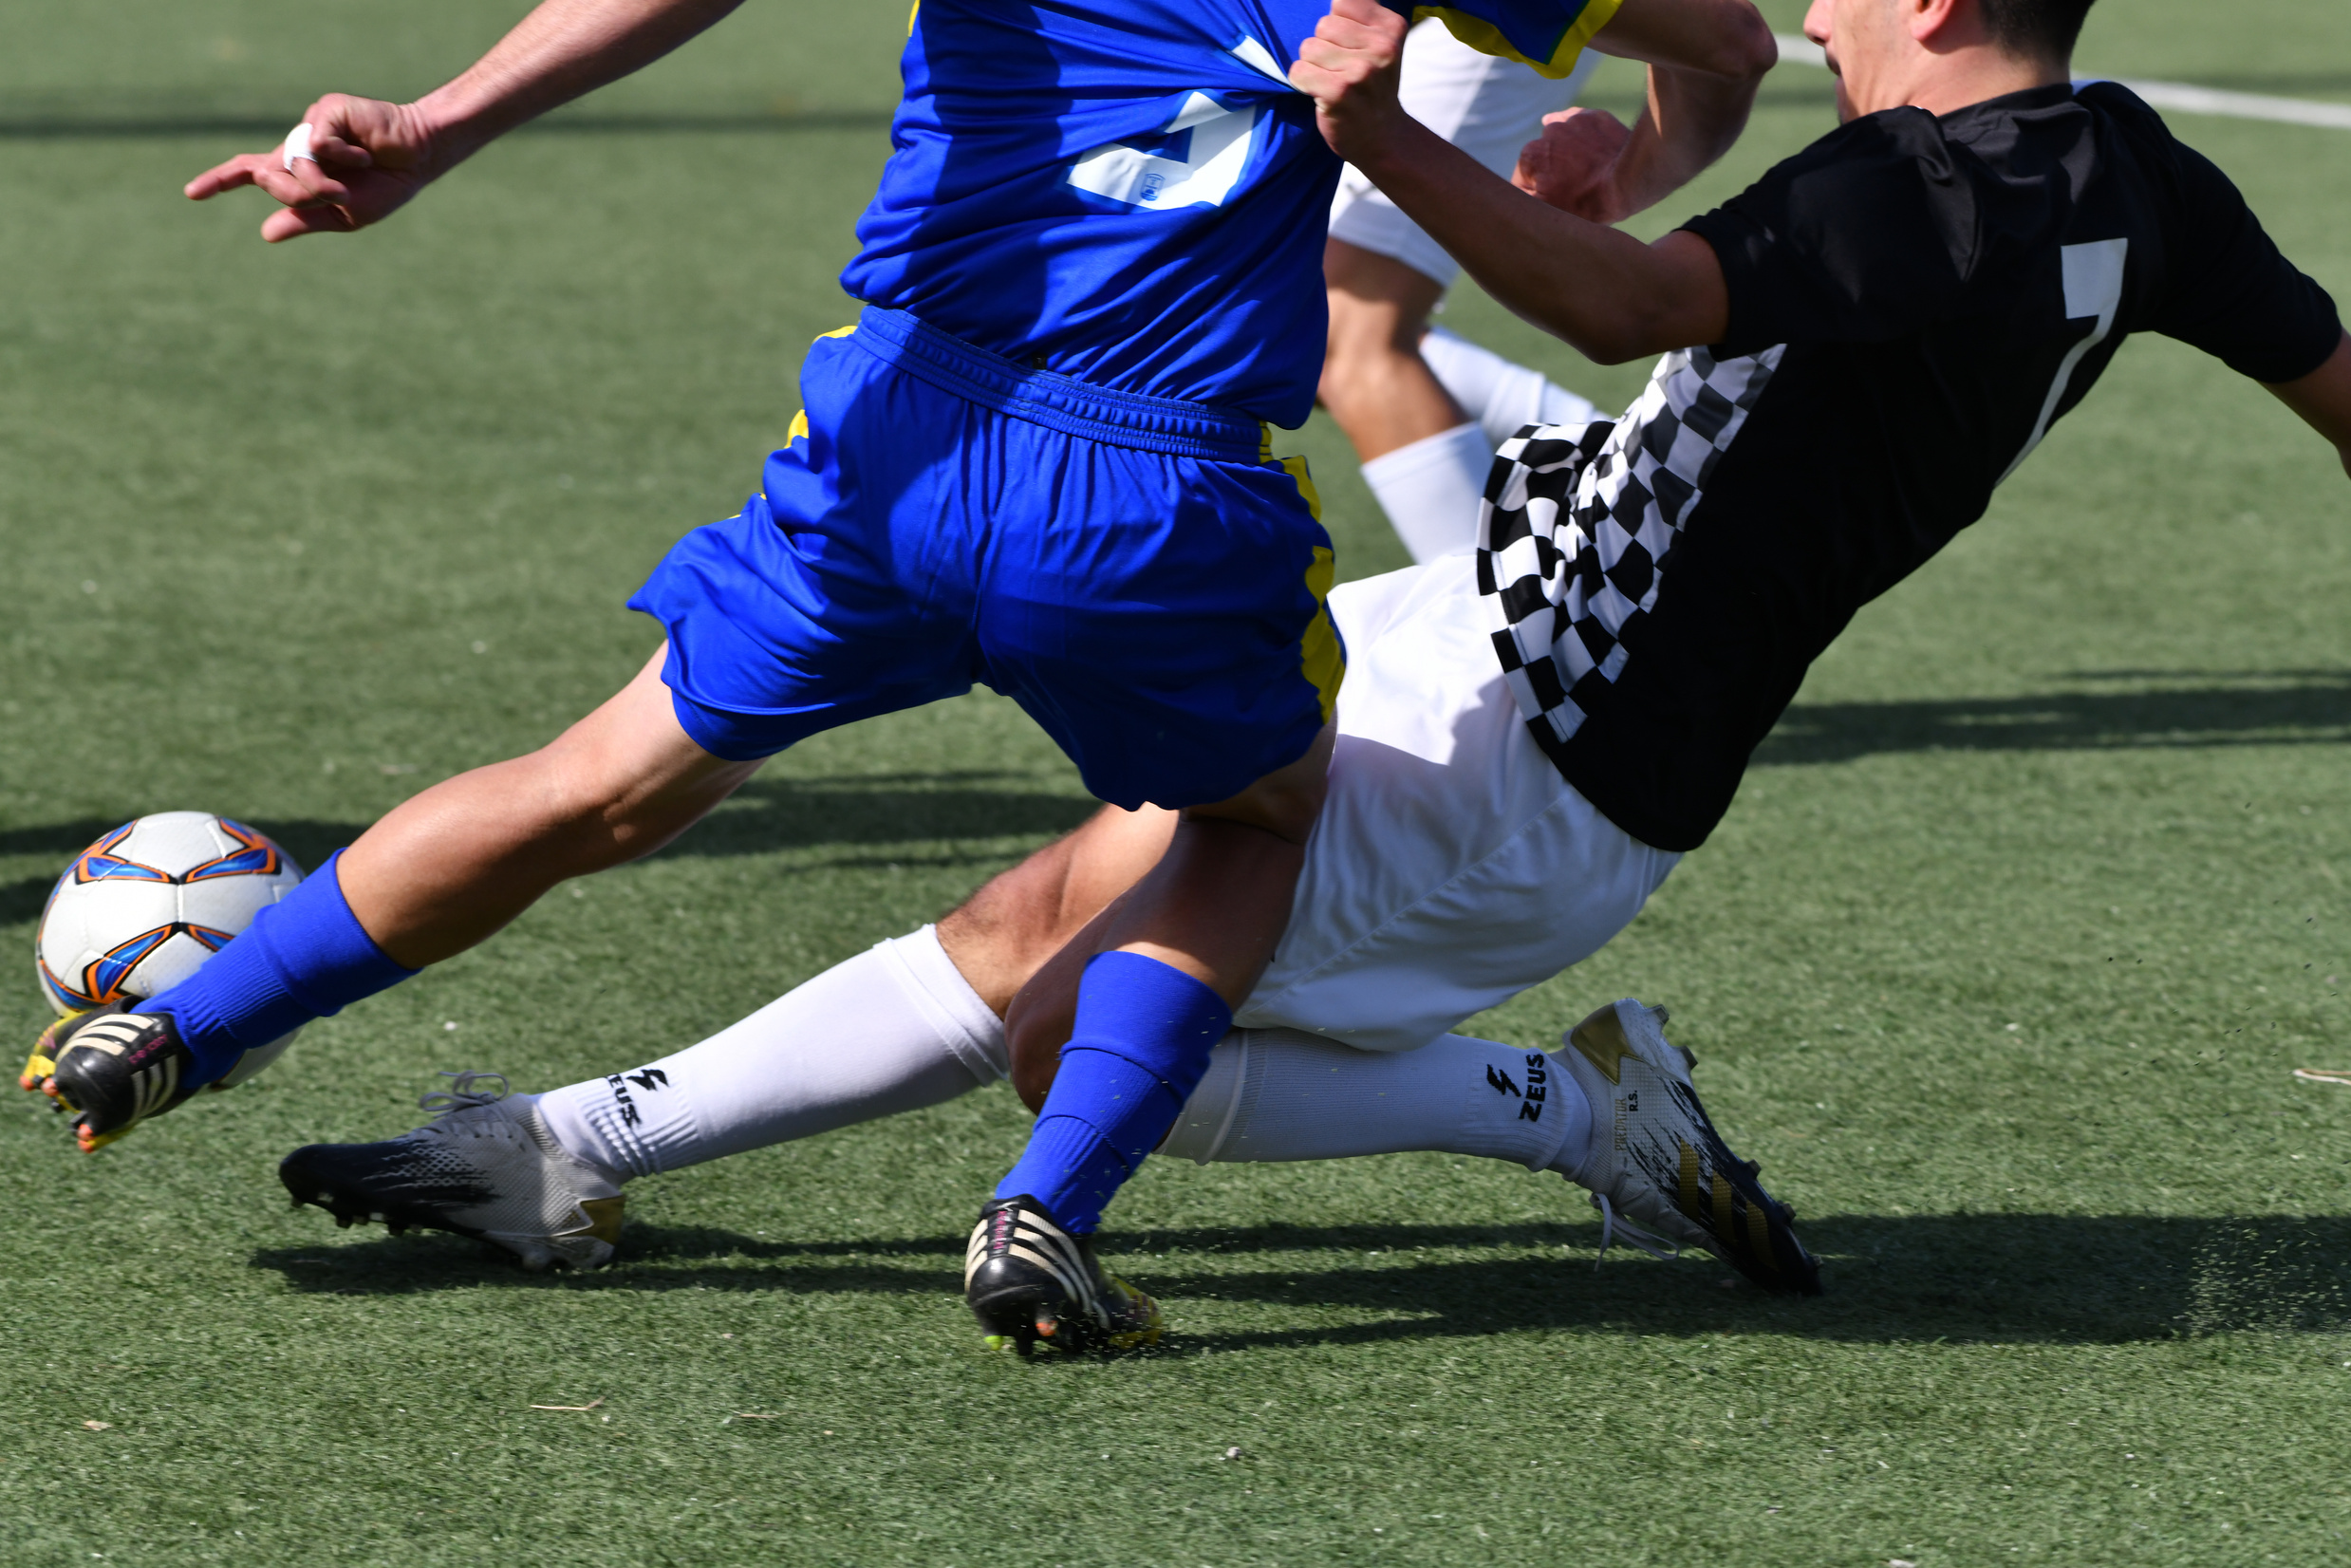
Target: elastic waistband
{"points": [[1057, 401]]}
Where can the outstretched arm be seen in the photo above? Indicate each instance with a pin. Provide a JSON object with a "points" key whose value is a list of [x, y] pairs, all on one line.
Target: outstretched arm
{"points": [[368, 157], [2323, 399], [1606, 293]]}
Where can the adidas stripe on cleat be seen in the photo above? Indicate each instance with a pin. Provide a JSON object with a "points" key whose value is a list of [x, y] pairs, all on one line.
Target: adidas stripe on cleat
{"points": [[485, 1166], [1660, 1164], [111, 1069], [1031, 1283]]}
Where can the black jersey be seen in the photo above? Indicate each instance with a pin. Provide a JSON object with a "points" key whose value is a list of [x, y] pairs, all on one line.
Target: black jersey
{"points": [[1913, 300]]}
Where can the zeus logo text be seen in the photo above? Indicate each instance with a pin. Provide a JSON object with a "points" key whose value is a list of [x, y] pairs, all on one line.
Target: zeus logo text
{"points": [[1538, 1086]]}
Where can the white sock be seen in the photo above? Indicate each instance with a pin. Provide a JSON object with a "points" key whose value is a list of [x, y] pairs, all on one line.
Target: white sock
{"points": [[896, 1028], [1503, 396], [1430, 489], [1285, 1094]]}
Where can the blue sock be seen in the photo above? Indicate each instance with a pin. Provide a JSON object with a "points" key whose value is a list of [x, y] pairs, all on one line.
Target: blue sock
{"points": [[1142, 1041], [305, 957]]}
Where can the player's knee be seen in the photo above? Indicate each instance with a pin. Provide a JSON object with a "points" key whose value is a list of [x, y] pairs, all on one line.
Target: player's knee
{"points": [[1034, 1037], [1286, 802], [1364, 349]]}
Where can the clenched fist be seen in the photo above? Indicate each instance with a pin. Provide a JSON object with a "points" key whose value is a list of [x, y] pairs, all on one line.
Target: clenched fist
{"points": [[1574, 163]]}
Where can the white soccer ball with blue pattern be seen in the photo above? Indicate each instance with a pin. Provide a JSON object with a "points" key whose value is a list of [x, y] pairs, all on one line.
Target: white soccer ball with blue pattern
{"points": [[137, 910]]}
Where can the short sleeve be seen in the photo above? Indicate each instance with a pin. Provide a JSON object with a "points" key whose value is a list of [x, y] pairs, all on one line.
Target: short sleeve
{"points": [[2229, 291], [1549, 35], [1868, 234]]}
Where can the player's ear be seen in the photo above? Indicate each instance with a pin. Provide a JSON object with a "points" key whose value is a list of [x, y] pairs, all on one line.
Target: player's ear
{"points": [[1943, 21]]}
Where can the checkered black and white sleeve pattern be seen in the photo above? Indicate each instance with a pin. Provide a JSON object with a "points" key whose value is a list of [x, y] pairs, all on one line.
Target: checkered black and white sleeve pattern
{"points": [[1579, 524]]}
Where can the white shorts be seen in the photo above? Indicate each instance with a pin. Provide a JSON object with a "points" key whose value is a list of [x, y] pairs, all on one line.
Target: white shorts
{"points": [[1489, 108], [1452, 866]]}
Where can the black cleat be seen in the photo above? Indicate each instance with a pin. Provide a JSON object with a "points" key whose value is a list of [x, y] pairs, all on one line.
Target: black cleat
{"points": [[1031, 1282], [114, 1070], [485, 1166]]}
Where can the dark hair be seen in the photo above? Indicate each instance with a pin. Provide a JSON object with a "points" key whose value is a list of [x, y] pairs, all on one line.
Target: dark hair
{"points": [[2045, 30]]}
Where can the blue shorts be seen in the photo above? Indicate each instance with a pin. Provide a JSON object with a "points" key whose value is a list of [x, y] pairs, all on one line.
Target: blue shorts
{"points": [[1137, 573]]}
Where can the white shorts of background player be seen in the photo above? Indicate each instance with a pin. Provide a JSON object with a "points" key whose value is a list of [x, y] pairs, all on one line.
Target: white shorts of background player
{"points": [[1489, 108]]}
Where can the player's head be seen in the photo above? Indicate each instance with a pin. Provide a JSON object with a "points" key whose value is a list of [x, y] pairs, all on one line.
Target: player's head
{"points": [[2035, 29], [1940, 53]]}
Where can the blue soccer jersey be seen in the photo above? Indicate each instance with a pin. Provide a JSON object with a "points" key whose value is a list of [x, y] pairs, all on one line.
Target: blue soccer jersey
{"points": [[1129, 192]]}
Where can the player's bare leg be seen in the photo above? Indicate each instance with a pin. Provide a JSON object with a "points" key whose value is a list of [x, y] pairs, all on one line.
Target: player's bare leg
{"points": [[1375, 382], [1020, 919], [450, 867], [1169, 962], [1215, 904], [1423, 457]]}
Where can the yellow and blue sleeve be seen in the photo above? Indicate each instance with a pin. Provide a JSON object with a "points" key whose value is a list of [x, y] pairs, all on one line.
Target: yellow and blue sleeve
{"points": [[1549, 35]]}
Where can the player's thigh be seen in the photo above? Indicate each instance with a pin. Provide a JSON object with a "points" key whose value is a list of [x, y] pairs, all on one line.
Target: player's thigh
{"points": [[844, 588], [1163, 618], [1378, 302]]}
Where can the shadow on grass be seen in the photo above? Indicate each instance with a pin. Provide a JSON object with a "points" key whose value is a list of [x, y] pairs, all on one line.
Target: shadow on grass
{"points": [[1981, 1279], [2274, 708], [2204, 708], [795, 814]]}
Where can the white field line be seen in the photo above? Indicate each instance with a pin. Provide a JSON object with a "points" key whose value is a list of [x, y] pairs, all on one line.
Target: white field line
{"points": [[2181, 96]]}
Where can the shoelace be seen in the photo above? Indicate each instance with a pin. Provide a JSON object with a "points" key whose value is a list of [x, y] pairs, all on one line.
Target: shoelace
{"points": [[462, 1095], [1614, 1223]]}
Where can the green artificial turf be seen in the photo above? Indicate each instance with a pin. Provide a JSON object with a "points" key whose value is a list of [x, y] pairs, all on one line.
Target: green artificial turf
{"points": [[2000, 964]]}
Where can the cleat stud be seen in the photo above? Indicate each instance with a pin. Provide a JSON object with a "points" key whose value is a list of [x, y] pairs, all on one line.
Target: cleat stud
{"points": [[342, 1221]]}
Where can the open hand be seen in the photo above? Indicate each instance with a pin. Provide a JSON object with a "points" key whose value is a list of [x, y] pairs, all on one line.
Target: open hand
{"points": [[370, 157], [1572, 164], [1349, 69]]}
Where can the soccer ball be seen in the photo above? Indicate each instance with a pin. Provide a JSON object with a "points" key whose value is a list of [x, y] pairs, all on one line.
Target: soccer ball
{"points": [[137, 912]]}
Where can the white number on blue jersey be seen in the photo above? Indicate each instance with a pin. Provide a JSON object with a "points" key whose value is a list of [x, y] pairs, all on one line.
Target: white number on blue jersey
{"points": [[1213, 160], [1215, 155]]}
